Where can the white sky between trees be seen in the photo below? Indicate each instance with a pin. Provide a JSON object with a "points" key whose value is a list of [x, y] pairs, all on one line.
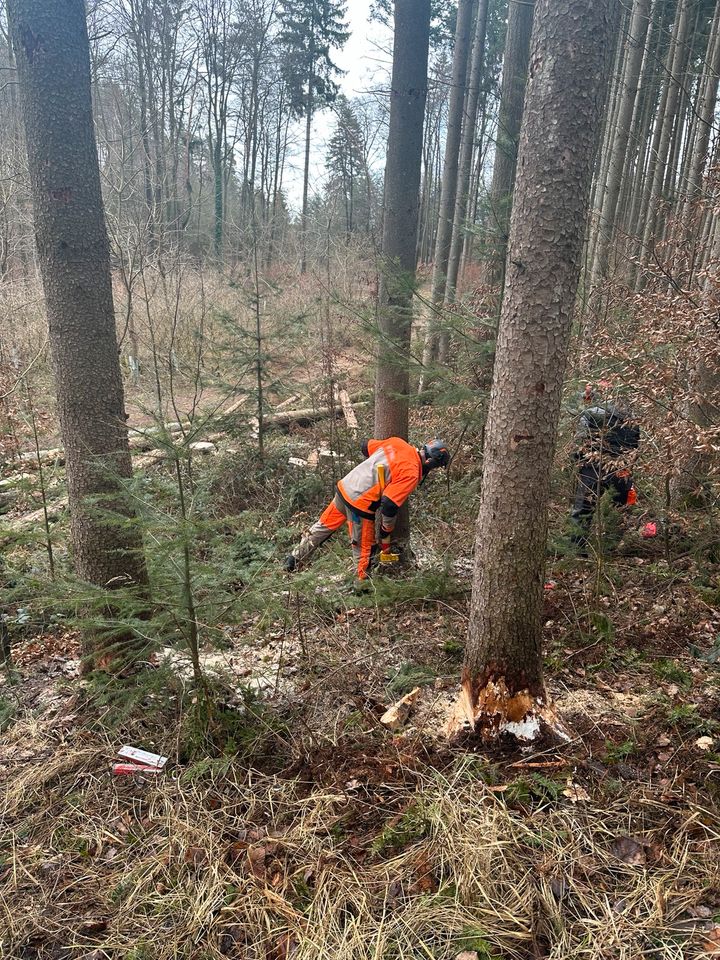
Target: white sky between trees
{"points": [[366, 60]]}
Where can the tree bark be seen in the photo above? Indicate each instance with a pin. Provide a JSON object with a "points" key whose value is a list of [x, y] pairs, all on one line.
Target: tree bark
{"points": [[612, 101], [466, 156], [679, 57], [635, 46], [512, 96], [502, 685], [306, 177], [643, 126], [449, 181], [639, 124], [707, 101], [702, 408], [400, 223], [53, 62]]}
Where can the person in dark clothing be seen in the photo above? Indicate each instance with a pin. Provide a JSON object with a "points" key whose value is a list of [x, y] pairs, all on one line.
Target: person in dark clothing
{"points": [[606, 440]]}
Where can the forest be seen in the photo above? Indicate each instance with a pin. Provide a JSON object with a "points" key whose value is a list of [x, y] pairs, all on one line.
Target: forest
{"points": [[359, 479]]}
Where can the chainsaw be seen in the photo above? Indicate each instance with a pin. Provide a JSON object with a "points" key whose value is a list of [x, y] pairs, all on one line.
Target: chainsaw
{"points": [[389, 557]]}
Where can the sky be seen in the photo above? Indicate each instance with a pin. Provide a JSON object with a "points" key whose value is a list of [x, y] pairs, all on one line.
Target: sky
{"points": [[366, 67]]}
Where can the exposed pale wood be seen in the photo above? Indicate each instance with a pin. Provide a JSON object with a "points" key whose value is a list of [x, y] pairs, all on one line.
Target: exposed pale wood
{"points": [[347, 408], [397, 715]]}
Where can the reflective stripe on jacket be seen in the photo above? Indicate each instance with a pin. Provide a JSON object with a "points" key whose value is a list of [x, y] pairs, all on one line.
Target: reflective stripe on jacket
{"points": [[362, 488]]}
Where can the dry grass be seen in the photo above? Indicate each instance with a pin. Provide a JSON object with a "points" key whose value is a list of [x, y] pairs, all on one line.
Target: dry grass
{"points": [[231, 863]]}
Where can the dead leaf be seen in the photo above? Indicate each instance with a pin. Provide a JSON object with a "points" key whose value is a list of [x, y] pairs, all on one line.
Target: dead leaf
{"points": [[702, 912], [195, 856], [629, 851], [256, 856], [425, 881], [712, 944], [576, 793], [558, 886], [283, 949], [468, 955], [235, 853], [704, 743], [663, 741]]}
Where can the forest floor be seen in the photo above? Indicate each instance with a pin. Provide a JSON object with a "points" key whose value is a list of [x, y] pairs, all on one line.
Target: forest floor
{"points": [[293, 824]]}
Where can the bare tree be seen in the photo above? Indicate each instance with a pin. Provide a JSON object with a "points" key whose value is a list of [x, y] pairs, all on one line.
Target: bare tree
{"points": [[502, 685], [634, 48], [677, 56], [458, 90], [400, 223], [466, 157], [515, 66], [51, 47]]}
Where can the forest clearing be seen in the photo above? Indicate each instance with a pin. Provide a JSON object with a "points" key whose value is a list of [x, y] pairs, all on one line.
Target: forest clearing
{"points": [[359, 476]]}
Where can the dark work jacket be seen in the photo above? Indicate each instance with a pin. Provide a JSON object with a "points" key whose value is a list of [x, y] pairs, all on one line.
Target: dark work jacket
{"points": [[605, 432]]}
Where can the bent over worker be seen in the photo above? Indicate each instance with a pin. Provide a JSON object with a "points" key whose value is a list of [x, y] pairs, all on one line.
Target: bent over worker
{"points": [[392, 469], [605, 445]]}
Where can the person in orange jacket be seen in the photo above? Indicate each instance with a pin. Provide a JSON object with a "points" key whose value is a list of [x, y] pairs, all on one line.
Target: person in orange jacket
{"points": [[392, 469]]}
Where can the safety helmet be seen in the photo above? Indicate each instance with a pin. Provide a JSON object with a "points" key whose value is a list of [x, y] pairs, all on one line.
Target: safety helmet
{"points": [[436, 454], [595, 391]]}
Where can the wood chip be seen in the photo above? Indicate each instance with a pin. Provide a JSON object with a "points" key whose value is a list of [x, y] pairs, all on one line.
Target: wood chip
{"points": [[397, 715]]}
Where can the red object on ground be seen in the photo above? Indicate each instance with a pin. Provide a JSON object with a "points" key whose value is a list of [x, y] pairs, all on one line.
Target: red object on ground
{"points": [[632, 497], [550, 585], [128, 769], [649, 531]]}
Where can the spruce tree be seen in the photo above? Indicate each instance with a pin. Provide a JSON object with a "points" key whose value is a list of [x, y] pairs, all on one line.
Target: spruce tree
{"points": [[311, 29], [346, 166]]}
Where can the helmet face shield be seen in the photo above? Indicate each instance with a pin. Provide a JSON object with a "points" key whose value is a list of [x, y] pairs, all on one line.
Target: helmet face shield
{"points": [[436, 454]]}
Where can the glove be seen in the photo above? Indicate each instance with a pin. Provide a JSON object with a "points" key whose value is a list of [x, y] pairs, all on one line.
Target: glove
{"points": [[385, 536]]}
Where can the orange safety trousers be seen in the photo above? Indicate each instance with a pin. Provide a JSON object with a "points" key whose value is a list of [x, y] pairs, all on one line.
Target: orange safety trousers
{"points": [[360, 529]]}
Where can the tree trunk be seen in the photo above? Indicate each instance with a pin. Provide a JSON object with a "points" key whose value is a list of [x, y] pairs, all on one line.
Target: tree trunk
{"points": [[702, 408], [502, 685], [707, 101], [652, 87], [400, 223], [449, 181], [679, 57], [635, 46], [51, 46], [219, 198], [612, 101], [306, 178], [466, 156], [512, 95], [638, 125]]}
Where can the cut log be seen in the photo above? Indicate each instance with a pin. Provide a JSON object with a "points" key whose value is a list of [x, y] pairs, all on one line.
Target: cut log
{"points": [[53, 455], [285, 403], [205, 447], [303, 418], [234, 407], [9, 483], [347, 408], [34, 519]]}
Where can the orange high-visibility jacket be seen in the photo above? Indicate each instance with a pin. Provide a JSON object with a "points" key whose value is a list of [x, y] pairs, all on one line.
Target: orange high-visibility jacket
{"points": [[393, 460]]}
